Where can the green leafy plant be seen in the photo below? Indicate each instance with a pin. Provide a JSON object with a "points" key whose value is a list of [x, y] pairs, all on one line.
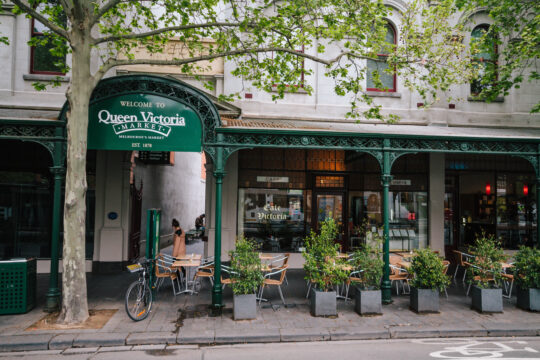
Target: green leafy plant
{"points": [[368, 259], [428, 271], [527, 268], [322, 266], [486, 266], [246, 272]]}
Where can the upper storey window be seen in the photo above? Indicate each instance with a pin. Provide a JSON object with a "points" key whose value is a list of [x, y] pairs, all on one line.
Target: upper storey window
{"points": [[43, 58], [379, 68], [485, 58]]}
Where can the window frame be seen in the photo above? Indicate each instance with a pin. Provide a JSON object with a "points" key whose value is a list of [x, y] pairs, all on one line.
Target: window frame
{"points": [[385, 56], [481, 60], [32, 53]]}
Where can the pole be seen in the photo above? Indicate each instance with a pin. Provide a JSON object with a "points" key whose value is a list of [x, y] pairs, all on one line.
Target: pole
{"points": [[219, 173], [52, 303], [386, 286]]}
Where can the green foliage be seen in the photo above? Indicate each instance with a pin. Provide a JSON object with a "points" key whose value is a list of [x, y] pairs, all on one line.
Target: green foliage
{"points": [[515, 27], [270, 43], [488, 255], [369, 259], [428, 268], [246, 267], [527, 268], [322, 266]]}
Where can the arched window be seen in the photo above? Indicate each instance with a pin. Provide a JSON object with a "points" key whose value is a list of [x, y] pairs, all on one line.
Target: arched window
{"points": [[380, 67], [485, 58]]}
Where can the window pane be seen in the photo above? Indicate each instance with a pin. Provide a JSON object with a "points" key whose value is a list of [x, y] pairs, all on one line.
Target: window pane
{"points": [[273, 218], [43, 60], [387, 79]]}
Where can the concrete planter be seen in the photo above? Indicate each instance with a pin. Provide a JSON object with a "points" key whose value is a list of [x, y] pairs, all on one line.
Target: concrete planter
{"points": [[368, 302], [424, 300], [323, 303], [245, 307], [487, 300], [528, 299]]}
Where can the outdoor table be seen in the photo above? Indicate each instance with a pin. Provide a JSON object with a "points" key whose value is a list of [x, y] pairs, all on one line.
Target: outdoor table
{"points": [[188, 262], [404, 264]]}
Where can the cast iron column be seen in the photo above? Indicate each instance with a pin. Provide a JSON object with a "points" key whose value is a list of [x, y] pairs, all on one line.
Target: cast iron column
{"points": [[386, 178], [219, 173], [58, 170]]}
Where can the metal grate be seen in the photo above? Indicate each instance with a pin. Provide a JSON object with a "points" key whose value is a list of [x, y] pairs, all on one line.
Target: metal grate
{"points": [[17, 286]]}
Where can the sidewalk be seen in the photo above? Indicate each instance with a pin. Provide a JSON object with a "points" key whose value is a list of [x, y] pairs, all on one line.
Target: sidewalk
{"points": [[186, 319]]}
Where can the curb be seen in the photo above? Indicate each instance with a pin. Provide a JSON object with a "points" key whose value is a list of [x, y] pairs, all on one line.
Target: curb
{"points": [[87, 341]]}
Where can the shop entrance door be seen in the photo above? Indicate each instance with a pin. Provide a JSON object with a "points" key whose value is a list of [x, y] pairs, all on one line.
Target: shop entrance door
{"points": [[331, 205]]}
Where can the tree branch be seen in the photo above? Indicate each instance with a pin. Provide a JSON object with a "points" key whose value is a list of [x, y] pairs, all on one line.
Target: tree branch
{"points": [[33, 13], [113, 38], [101, 11]]}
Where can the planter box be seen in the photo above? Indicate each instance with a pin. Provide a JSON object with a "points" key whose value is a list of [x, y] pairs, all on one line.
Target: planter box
{"points": [[424, 300], [368, 302], [487, 300], [245, 307], [323, 303], [528, 299]]}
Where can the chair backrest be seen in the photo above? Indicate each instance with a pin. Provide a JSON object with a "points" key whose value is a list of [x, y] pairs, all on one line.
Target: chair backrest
{"points": [[458, 257], [283, 273], [446, 264], [162, 267], [286, 259]]}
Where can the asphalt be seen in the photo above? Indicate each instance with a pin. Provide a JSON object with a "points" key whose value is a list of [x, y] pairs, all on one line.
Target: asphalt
{"points": [[188, 320]]}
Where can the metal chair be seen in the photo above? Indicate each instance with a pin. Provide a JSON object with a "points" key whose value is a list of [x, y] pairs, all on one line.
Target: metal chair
{"points": [[164, 270], [268, 281], [206, 270], [399, 275], [446, 265], [354, 277]]}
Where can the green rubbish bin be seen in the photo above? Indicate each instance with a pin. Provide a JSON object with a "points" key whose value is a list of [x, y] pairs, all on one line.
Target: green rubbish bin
{"points": [[17, 286]]}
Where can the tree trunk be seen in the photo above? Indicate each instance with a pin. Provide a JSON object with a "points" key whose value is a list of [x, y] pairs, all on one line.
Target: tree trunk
{"points": [[74, 299]]}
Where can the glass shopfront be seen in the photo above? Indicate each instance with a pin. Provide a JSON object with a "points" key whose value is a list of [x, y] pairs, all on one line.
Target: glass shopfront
{"points": [[26, 198], [492, 195], [278, 207]]}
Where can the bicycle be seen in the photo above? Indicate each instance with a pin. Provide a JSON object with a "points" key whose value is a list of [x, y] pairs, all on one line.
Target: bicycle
{"points": [[138, 298]]}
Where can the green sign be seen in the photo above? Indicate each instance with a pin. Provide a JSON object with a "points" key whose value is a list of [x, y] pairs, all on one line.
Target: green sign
{"points": [[143, 122]]}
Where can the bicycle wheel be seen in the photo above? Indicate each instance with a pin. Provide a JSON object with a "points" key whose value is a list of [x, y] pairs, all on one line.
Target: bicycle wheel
{"points": [[138, 301]]}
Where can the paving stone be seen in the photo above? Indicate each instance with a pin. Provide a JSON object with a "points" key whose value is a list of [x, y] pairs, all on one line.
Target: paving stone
{"points": [[100, 339], [84, 350], [114, 348], [62, 341], [25, 342], [358, 333], [182, 347], [146, 338], [226, 336], [148, 347], [190, 336], [304, 334], [13, 354]]}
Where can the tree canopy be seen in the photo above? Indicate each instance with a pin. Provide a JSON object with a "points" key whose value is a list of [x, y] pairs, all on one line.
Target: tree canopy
{"points": [[267, 40]]}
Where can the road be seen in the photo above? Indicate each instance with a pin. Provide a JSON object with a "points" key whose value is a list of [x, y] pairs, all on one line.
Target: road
{"points": [[453, 348]]}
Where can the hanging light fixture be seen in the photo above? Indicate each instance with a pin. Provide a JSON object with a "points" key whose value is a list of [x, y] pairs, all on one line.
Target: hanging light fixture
{"points": [[525, 189], [488, 188]]}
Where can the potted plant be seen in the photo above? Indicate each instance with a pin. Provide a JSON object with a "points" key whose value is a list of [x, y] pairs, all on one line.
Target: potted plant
{"points": [[246, 277], [369, 263], [484, 274], [323, 268], [527, 278], [429, 279]]}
